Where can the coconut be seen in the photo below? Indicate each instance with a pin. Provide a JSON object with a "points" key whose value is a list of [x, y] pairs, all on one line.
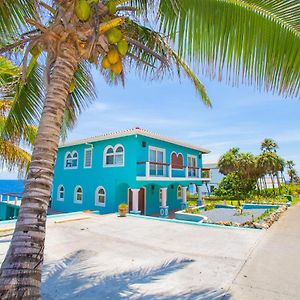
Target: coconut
{"points": [[105, 63], [114, 35], [117, 68], [113, 56], [82, 10], [123, 47]]}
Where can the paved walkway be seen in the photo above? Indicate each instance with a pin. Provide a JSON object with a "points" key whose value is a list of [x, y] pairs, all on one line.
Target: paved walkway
{"points": [[272, 270]]}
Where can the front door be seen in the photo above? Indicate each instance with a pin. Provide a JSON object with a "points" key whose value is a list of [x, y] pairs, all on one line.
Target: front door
{"points": [[141, 200]]}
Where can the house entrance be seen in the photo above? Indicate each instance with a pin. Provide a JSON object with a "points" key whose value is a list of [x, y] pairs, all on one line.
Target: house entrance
{"points": [[141, 200]]}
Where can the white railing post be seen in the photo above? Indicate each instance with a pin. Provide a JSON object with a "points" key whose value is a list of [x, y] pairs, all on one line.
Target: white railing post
{"points": [[1, 197], [170, 171], [7, 198], [16, 199], [186, 172], [147, 169], [199, 172]]}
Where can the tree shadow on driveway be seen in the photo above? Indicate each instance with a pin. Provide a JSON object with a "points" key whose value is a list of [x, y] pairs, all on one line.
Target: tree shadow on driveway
{"points": [[71, 279]]}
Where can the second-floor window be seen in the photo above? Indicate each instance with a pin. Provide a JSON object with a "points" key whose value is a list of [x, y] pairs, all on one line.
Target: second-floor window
{"points": [[192, 164], [71, 160], [157, 161], [88, 158], [114, 156]]}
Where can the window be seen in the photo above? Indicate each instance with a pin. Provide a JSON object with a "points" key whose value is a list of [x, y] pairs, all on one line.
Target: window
{"points": [[100, 196], [61, 193], [179, 192], [119, 155], [88, 158], [114, 156], [177, 160], [78, 194], [157, 160], [71, 160], [192, 164]]}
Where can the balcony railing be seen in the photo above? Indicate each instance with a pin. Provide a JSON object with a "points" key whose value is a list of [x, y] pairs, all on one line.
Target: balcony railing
{"points": [[150, 169]]}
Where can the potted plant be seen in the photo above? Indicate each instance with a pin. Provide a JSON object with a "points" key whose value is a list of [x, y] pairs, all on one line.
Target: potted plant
{"points": [[123, 209]]}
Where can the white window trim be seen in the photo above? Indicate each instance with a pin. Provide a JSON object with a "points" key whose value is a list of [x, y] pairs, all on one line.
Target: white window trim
{"points": [[96, 197], [177, 156], [75, 194], [84, 163], [65, 160], [164, 156], [114, 153], [58, 193], [192, 156]]}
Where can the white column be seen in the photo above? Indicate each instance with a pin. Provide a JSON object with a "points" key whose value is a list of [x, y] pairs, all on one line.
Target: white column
{"points": [[184, 190], [199, 172], [170, 171], [164, 197], [135, 200], [186, 172], [147, 169], [1, 197], [200, 200]]}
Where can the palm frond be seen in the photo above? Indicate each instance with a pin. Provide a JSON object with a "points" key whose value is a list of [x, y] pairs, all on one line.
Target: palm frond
{"points": [[13, 14], [170, 59], [253, 41]]}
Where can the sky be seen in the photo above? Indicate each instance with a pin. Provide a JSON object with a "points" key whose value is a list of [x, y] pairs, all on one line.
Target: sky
{"points": [[241, 116]]}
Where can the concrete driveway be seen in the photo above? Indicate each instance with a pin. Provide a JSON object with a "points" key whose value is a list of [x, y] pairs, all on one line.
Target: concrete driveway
{"points": [[106, 257]]}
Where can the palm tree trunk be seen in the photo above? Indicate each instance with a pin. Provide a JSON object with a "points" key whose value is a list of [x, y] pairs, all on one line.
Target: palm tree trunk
{"points": [[273, 186], [278, 182], [20, 275]]}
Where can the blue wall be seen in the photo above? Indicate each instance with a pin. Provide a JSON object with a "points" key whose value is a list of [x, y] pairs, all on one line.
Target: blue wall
{"points": [[116, 180]]}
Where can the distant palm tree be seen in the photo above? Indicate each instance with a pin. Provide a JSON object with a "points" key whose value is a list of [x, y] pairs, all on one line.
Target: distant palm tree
{"points": [[253, 41], [269, 145], [292, 172], [227, 162]]}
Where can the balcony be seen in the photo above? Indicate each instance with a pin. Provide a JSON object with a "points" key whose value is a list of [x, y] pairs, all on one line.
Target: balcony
{"points": [[156, 171]]}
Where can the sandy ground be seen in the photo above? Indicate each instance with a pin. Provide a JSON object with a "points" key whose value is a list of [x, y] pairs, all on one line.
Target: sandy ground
{"points": [[107, 257]]}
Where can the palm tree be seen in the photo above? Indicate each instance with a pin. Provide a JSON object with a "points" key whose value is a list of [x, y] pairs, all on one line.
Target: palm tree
{"points": [[228, 161], [269, 145], [236, 40], [291, 171]]}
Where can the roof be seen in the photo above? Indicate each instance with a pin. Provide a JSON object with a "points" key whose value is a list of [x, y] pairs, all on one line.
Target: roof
{"points": [[129, 132], [210, 165]]}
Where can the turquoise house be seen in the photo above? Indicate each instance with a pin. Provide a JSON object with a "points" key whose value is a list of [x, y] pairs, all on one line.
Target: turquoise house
{"points": [[148, 171]]}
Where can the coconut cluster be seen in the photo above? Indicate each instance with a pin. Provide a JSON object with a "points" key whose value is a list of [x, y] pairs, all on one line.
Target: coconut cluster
{"points": [[118, 46]]}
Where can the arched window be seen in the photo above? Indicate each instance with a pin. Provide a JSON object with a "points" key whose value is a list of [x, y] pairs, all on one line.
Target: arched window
{"points": [[119, 155], [109, 156], [176, 160], [74, 159], [78, 194], [71, 160], [61, 193], [100, 196], [114, 156], [68, 160], [179, 192]]}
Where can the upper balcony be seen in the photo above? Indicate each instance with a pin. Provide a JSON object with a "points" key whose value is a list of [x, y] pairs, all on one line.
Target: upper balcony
{"points": [[156, 171]]}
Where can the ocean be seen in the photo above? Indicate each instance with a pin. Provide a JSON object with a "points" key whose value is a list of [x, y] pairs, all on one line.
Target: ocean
{"points": [[11, 186]]}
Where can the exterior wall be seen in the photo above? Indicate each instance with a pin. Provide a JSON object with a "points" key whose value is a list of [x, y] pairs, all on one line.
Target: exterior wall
{"points": [[117, 180], [111, 178], [143, 154]]}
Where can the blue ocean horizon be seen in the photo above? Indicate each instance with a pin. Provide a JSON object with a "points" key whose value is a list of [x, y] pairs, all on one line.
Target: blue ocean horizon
{"points": [[11, 186]]}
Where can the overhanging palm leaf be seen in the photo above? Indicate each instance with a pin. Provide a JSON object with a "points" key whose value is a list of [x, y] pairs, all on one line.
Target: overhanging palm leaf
{"points": [[256, 41]]}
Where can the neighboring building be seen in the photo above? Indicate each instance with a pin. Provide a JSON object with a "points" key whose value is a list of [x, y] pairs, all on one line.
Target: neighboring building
{"points": [[148, 171], [215, 178]]}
